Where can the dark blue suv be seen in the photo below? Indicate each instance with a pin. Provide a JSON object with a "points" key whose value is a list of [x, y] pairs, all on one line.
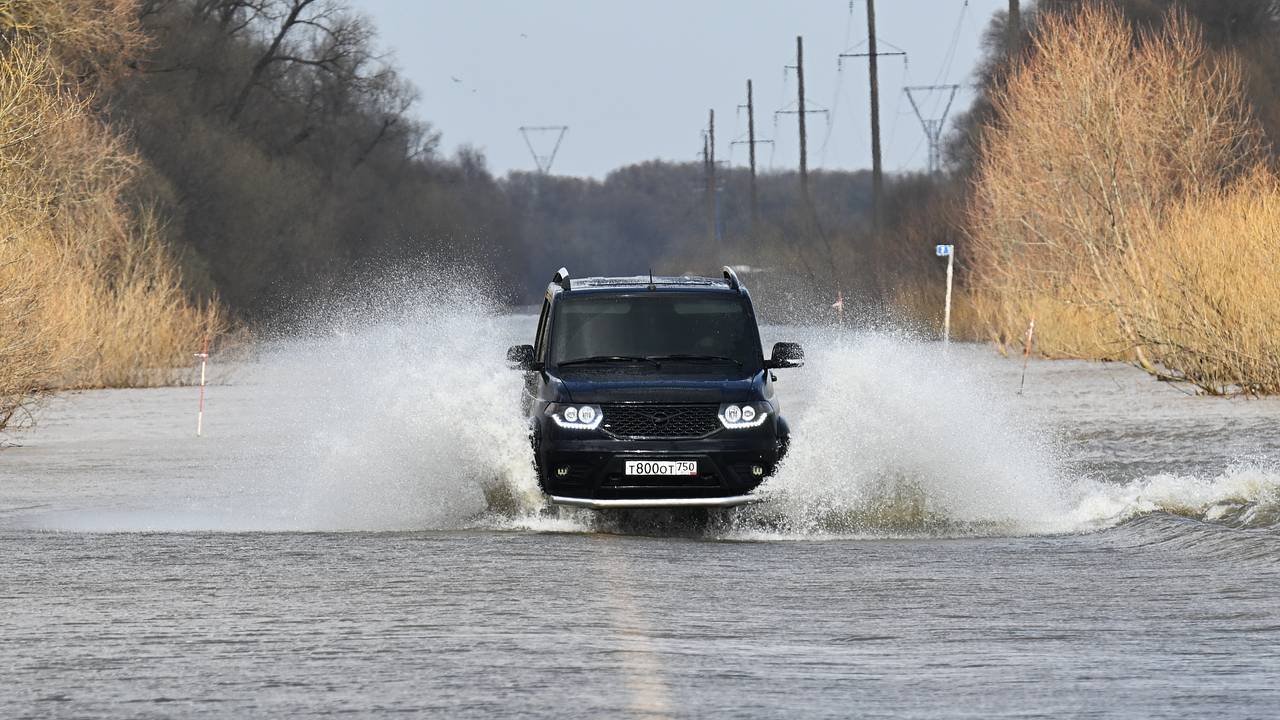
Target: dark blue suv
{"points": [[652, 392]]}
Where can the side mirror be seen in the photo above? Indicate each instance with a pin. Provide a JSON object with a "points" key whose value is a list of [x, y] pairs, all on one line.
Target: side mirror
{"points": [[786, 355], [520, 357]]}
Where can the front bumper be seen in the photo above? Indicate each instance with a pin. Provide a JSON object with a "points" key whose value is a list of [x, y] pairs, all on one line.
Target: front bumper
{"points": [[706, 502], [590, 471]]}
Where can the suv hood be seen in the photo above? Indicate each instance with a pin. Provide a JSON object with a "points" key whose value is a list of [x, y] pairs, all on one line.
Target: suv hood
{"points": [[602, 389]]}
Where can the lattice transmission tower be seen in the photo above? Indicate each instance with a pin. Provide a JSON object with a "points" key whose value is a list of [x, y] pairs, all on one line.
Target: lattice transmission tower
{"points": [[933, 127], [538, 133]]}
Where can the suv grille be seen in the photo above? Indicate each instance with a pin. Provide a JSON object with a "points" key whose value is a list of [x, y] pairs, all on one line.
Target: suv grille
{"points": [[661, 421]]}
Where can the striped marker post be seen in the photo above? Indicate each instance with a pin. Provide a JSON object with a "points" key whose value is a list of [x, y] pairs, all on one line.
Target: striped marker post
{"points": [[204, 359], [1026, 353]]}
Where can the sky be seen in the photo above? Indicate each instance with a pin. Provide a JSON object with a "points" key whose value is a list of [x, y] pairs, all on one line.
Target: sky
{"points": [[634, 80]]}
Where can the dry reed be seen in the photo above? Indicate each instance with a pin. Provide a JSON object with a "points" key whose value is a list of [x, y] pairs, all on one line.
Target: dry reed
{"points": [[1105, 151], [90, 294]]}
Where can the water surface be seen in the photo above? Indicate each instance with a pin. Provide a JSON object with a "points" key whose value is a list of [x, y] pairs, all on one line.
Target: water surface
{"points": [[358, 533]]}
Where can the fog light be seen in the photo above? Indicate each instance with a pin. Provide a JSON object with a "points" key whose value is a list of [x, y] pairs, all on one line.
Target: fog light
{"points": [[757, 470], [562, 471]]}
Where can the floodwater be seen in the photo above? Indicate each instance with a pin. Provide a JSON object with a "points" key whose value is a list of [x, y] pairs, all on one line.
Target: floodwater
{"points": [[358, 533]]}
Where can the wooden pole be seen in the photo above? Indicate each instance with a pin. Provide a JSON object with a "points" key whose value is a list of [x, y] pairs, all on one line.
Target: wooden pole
{"points": [[709, 177], [711, 173], [800, 113], [751, 152], [877, 177], [1014, 29]]}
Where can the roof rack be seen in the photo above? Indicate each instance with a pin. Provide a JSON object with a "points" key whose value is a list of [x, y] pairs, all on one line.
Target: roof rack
{"points": [[732, 278], [561, 278]]}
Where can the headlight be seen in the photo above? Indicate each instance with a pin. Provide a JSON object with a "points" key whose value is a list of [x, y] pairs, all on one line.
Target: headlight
{"points": [[743, 415], [576, 417]]}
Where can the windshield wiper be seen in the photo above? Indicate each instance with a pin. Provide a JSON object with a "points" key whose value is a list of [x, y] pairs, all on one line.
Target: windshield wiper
{"points": [[695, 358], [607, 359]]}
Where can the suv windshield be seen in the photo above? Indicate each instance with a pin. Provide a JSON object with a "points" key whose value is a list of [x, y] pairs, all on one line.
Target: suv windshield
{"points": [[669, 328]]}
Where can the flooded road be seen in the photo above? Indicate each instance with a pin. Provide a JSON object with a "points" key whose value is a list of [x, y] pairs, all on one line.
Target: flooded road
{"points": [[358, 533]]}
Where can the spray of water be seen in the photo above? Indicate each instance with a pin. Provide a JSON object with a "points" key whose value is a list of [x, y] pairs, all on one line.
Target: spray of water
{"points": [[898, 437], [1242, 496], [404, 416]]}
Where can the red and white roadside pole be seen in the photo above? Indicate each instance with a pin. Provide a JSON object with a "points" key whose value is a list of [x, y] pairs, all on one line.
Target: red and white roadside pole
{"points": [[204, 360], [839, 307], [1026, 353]]}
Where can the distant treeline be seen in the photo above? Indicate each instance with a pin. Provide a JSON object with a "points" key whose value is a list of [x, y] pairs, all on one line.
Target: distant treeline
{"points": [[283, 153], [167, 161], [281, 150], [654, 216]]}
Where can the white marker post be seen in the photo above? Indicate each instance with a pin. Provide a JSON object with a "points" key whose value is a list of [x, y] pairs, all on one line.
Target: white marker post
{"points": [[839, 307], [204, 359], [949, 251]]}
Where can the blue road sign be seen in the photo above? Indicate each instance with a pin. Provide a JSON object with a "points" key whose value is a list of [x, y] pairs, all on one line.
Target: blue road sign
{"points": [[944, 250]]}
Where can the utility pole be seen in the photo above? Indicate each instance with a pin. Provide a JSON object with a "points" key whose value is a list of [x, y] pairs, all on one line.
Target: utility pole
{"points": [[801, 111], [804, 148], [751, 153], [873, 56], [933, 127], [709, 158], [1014, 28], [877, 179], [751, 143]]}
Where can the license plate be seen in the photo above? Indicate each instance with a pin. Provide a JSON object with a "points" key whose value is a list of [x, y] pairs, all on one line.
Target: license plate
{"points": [[662, 467]]}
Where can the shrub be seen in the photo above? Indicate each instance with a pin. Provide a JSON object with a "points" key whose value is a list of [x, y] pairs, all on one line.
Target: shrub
{"points": [[1105, 147], [1206, 301], [90, 293]]}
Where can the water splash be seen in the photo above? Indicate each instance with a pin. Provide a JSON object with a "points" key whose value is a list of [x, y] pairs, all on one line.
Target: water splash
{"points": [[404, 415], [897, 437], [900, 437], [397, 412], [1245, 496], [892, 436]]}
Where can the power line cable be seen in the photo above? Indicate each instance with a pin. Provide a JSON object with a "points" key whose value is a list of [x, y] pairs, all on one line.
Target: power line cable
{"points": [[835, 100], [950, 57]]}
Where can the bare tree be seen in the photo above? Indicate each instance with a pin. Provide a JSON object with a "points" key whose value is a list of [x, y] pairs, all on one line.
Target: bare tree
{"points": [[316, 34]]}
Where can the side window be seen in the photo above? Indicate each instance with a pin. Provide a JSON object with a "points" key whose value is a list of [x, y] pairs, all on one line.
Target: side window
{"points": [[540, 342]]}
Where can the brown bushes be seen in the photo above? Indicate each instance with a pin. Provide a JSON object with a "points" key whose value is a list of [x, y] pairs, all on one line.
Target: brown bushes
{"points": [[1105, 153], [93, 40], [1208, 306], [89, 293]]}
